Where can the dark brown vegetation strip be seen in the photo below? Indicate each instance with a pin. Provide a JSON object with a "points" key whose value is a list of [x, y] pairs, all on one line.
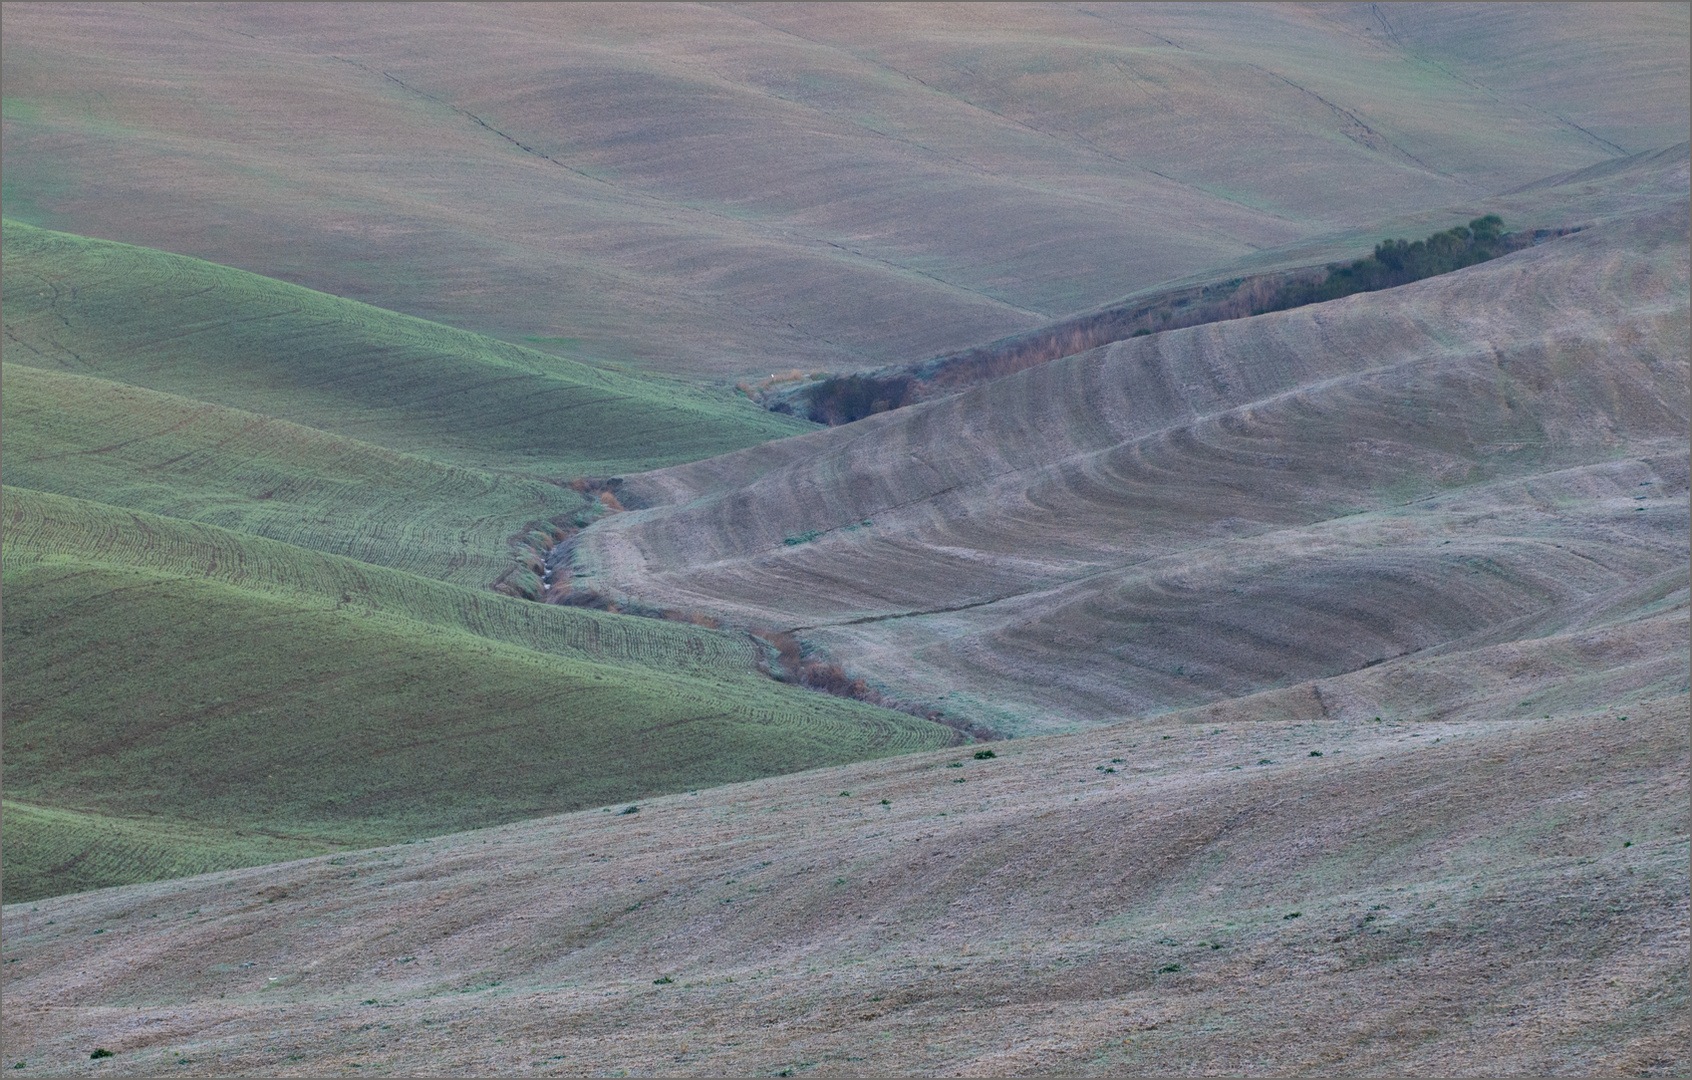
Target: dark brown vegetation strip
{"points": [[843, 399]]}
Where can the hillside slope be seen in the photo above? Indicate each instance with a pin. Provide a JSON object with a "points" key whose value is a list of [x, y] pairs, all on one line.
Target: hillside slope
{"points": [[122, 445], [1237, 894], [1533, 214], [1213, 511], [735, 190], [249, 530], [182, 326], [180, 697]]}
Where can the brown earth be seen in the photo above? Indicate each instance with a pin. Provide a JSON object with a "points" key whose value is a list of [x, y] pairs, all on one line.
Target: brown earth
{"points": [[735, 191], [1486, 456], [1489, 897]]}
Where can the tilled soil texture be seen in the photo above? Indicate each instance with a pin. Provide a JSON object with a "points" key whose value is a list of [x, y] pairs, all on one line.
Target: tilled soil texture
{"points": [[729, 192], [1214, 893], [1490, 456]]}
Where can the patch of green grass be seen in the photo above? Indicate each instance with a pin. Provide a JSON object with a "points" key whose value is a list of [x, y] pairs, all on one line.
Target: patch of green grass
{"points": [[239, 518], [144, 450], [50, 851], [198, 330], [40, 526], [236, 696]]}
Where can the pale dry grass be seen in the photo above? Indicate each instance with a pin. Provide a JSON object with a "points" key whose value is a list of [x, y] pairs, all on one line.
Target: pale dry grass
{"points": [[736, 191], [1479, 898]]}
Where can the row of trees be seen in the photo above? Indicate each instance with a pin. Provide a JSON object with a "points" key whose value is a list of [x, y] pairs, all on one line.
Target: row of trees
{"points": [[843, 399], [1399, 262]]}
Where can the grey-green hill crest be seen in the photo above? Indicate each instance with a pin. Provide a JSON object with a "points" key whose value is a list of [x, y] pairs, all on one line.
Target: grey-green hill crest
{"points": [[727, 192], [183, 326]]}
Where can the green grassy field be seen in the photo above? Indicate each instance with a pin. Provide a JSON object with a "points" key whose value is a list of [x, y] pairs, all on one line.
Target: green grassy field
{"points": [[194, 329], [249, 530], [41, 527], [196, 694], [131, 447], [54, 851]]}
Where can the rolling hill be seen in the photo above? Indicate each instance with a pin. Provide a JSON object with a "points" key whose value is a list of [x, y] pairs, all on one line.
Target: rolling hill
{"points": [[728, 191], [182, 326], [1537, 212], [1209, 512], [1343, 653], [1471, 898], [172, 455], [249, 534], [181, 697]]}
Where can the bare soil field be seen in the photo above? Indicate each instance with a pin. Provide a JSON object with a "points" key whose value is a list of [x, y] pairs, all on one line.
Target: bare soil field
{"points": [[1208, 893], [1486, 456], [737, 190]]}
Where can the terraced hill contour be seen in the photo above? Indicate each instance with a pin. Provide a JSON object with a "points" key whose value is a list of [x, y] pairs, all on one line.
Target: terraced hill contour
{"points": [[1201, 514]]}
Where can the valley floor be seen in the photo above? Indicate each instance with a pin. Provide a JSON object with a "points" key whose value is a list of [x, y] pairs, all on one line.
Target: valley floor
{"points": [[1240, 895]]}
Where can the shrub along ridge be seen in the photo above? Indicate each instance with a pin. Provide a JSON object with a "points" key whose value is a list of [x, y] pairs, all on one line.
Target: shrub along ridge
{"points": [[1399, 262], [843, 399]]}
